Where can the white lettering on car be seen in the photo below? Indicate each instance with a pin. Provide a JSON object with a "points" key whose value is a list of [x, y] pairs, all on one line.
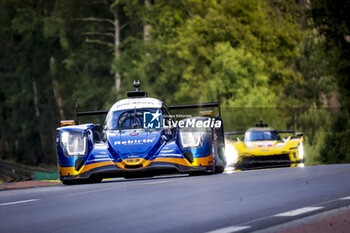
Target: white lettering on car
{"points": [[133, 142]]}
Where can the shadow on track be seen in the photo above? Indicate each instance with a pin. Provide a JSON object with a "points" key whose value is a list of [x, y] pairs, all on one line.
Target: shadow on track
{"points": [[122, 179]]}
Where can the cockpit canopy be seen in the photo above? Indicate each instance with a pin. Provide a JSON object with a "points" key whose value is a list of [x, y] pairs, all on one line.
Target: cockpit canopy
{"points": [[134, 118], [135, 112], [261, 135]]}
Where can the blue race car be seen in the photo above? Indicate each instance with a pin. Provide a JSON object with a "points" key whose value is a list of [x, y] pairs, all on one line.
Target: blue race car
{"points": [[140, 138]]}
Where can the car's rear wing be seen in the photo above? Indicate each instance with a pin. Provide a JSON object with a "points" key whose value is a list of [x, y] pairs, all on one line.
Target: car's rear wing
{"points": [[135, 93], [285, 131], [196, 106], [242, 132], [297, 135], [91, 113], [172, 107], [227, 134], [139, 93], [234, 133]]}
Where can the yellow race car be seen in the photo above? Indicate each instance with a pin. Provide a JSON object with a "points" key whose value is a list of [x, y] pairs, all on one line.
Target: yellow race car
{"points": [[263, 147]]}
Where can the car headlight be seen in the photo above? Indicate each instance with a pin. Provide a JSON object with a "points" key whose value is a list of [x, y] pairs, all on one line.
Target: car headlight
{"points": [[231, 154], [301, 151], [74, 143], [191, 139]]}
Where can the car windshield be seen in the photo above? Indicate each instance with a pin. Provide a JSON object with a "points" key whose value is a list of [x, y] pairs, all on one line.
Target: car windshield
{"points": [[134, 118], [261, 136]]}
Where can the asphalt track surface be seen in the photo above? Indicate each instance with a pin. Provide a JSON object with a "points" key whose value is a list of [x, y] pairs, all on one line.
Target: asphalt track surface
{"points": [[230, 202]]}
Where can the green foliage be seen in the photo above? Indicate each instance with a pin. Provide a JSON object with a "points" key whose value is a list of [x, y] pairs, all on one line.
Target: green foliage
{"points": [[240, 119], [336, 148], [313, 148], [241, 78], [314, 120], [316, 70], [248, 26], [315, 123], [333, 21]]}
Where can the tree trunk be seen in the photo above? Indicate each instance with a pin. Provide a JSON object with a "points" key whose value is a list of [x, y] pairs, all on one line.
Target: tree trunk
{"points": [[56, 93], [146, 27], [39, 157], [117, 77], [304, 3]]}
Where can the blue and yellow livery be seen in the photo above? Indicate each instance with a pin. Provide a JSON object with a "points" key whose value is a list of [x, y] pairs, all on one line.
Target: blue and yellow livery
{"points": [[140, 138]]}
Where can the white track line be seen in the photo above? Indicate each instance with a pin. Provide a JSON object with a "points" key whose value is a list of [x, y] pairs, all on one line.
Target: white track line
{"points": [[284, 214], [158, 182], [230, 229], [18, 202], [298, 211]]}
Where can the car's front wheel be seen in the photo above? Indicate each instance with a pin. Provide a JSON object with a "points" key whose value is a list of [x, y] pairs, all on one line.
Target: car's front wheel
{"points": [[219, 169]]}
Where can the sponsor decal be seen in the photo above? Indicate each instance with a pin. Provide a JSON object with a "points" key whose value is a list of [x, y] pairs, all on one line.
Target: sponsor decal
{"points": [[169, 155], [133, 160], [134, 142], [137, 103], [168, 151], [102, 159], [152, 120]]}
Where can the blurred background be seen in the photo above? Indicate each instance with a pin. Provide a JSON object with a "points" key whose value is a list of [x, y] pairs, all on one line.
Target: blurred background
{"points": [[286, 62]]}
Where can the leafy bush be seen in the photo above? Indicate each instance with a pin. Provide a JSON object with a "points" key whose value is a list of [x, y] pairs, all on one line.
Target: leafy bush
{"points": [[336, 147]]}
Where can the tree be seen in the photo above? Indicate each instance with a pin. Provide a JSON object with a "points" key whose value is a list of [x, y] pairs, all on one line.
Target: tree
{"points": [[182, 50], [333, 21], [28, 88]]}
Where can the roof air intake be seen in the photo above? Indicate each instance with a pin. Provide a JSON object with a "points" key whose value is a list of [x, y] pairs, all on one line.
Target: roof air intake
{"points": [[137, 93]]}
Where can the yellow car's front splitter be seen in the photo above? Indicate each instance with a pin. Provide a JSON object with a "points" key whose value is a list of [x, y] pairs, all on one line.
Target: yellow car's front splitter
{"points": [[265, 161]]}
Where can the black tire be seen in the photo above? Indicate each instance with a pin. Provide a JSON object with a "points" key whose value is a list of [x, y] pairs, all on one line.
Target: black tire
{"points": [[221, 160], [200, 173], [219, 169], [70, 182], [203, 172], [94, 180], [85, 181]]}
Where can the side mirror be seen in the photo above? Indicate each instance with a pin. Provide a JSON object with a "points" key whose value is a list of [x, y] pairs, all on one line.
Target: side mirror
{"points": [[165, 138]]}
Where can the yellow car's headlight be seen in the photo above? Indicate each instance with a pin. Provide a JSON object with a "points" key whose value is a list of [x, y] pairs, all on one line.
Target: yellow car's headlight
{"points": [[301, 151], [231, 154]]}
